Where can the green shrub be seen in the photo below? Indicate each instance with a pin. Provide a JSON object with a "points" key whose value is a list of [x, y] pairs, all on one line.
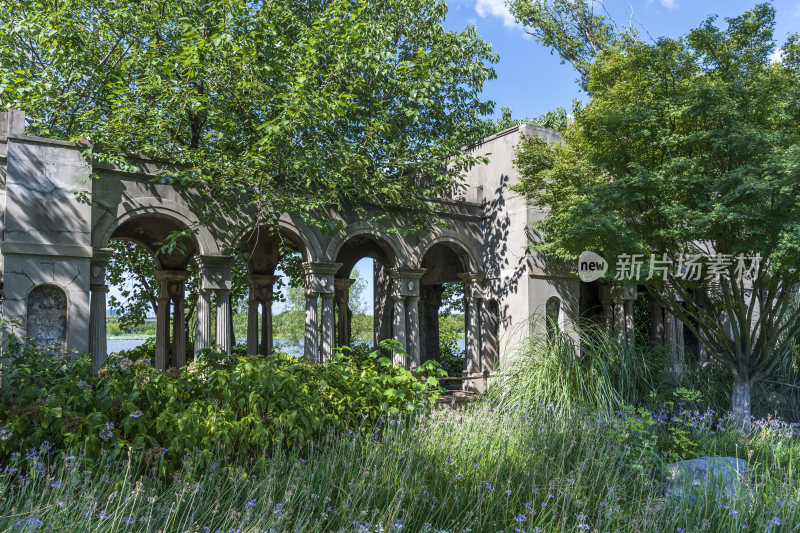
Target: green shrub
{"points": [[451, 358], [237, 405]]}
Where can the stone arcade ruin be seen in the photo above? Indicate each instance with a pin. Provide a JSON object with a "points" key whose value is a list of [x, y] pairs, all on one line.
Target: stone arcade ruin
{"points": [[54, 253]]}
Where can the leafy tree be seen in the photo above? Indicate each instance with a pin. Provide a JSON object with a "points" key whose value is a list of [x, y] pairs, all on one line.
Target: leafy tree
{"points": [[688, 146], [287, 106]]}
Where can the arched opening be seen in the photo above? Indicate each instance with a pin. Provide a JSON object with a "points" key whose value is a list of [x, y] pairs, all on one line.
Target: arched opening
{"points": [[152, 280], [363, 290], [273, 301], [444, 309]]}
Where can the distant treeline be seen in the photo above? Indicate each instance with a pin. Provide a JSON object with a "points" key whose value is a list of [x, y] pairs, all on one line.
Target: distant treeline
{"points": [[288, 326]]}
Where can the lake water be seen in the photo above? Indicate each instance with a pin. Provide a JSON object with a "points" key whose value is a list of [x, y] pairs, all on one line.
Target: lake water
{"points": [[292, 348]]}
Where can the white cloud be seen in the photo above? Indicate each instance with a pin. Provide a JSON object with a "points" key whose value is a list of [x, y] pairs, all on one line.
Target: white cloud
{"points": [[776, 56], [496, 8], [669, 4]]}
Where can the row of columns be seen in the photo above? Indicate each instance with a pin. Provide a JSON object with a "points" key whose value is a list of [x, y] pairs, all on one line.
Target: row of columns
{"points": [[321, 333]]}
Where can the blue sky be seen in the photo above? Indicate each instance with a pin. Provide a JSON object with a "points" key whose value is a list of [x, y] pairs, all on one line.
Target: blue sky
{"points": [[532, 81]]}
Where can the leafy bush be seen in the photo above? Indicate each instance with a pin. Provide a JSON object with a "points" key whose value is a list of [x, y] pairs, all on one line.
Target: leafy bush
{"points": [[236, 405]]}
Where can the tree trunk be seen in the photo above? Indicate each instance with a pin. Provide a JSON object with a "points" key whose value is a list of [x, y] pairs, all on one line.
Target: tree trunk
{"points": [[740, 401]]}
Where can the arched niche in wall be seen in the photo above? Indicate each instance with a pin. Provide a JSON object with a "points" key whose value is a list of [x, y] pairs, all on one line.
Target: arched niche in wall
{"points": [[552, 317], [47, 315]]}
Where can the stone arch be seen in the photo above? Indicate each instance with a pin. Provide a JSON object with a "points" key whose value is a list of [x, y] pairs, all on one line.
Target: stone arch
{"points": [[297, 233], [47, 314], [355, 230], [452, 239], [130, 209]]}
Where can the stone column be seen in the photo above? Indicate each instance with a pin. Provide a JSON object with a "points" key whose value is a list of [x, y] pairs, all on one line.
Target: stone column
{"points": [[266, 325], [399, 325], [412, 335], [98, 346], [224, 333], [310, 348], [178, 333], [319, 282], [327, 326], [472, 297], [261, 292], [162, 331], [171, 287], [202, 338], [252, 324], [405, 288], [215, 275], [342, 297]]}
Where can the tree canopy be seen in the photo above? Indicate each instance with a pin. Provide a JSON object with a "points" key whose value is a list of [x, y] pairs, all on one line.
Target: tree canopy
{"points": [[289, 106], [688, 148]]}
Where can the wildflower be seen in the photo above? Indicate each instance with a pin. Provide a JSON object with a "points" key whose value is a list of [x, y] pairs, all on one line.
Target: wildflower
{"points": [[83, 385], [775, 520], [778, 501], [278, 509], [398, 526], [136, 414], [458, 477], [583, 526], [102, 515], [128, 520], [60, 504], [508, 492], [520, 518], [106, 432], [250, 503], [544, 504], [489, 486], [6, 433], [56, 484]]}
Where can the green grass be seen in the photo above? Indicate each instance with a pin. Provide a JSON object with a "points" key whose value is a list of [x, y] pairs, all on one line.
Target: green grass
{"points": [[473, 470], [554, 446]]}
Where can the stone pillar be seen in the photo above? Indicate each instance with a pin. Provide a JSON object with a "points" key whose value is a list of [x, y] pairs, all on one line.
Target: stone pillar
{"points": [[412, 335], [215, 275], [98, 346], [178, 332], [252, 324], [405, 288], [261, 292], [162, 331], [342, 297], [202, 338], [327, 326], [624, 297], [224, 334], [310, 348], [399, 325], [171, 287], [319, 282], [472, 297], [266, 325]]}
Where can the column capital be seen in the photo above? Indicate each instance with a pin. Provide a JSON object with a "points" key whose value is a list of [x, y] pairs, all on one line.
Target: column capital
{"points": [[98, 287], [319, 276], [215, 271], [261, 286], [624, 292], [172, 283], [473, 285], [406, 281]]}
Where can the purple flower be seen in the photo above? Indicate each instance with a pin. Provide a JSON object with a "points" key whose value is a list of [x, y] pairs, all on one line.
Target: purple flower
{"points": [[520, 518], [458, 477], [250, 503], [775, 520]]}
